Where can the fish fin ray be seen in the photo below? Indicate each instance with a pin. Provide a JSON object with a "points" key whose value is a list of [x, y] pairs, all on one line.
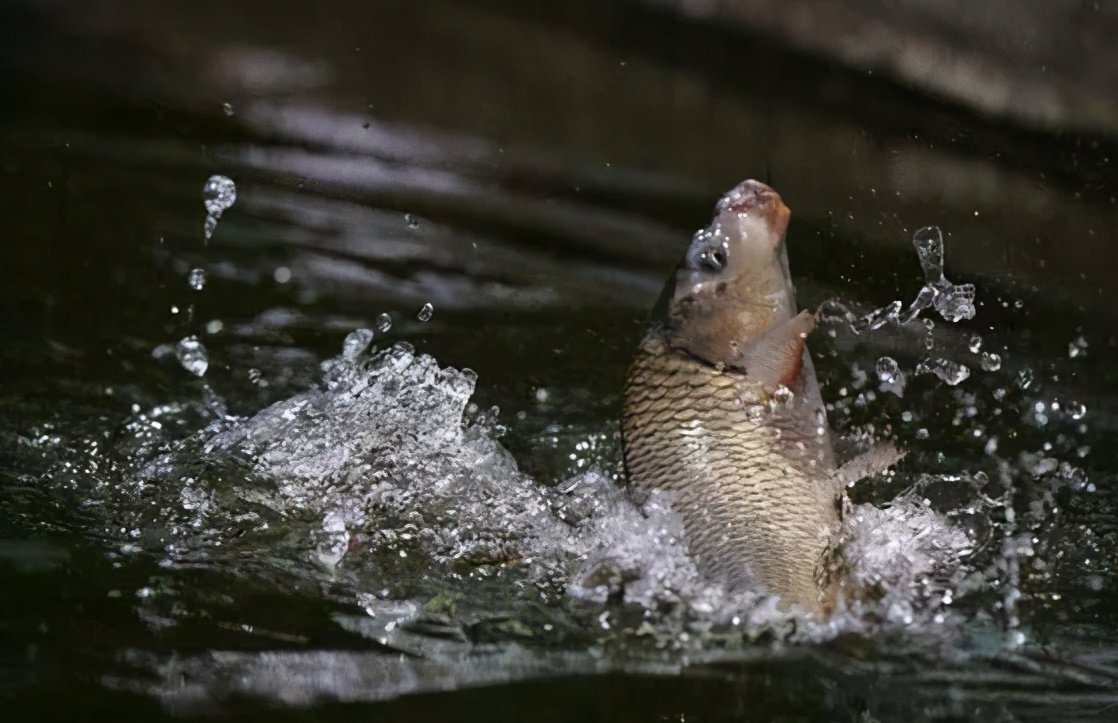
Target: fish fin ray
{"points": [[777, 356]]}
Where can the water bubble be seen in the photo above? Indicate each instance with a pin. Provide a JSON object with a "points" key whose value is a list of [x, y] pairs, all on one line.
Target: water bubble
{"points": [[975, 344], [411, 221], [282, 274], [991, 362], [1078, 347], [383, 323], [887, 370], [355, 343], [426, 312], [227, 109], [950, 372], [218, 194], [197, 279], [192, 355]]}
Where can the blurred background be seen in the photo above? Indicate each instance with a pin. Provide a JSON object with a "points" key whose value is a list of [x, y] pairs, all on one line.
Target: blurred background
{"points": [[532, 171]]}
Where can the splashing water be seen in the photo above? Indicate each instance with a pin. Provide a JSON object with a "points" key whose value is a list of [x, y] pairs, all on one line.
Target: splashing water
{"points": [[950, 372], [197, 279], [192, 355], [218, 195], [954, 302]]}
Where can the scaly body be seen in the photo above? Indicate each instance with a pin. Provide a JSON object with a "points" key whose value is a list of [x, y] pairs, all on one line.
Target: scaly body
{"points": [[722, 409]]}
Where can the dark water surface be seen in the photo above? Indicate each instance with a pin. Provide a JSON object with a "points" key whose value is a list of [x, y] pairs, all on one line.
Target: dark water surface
{"points": [[533, 175]]}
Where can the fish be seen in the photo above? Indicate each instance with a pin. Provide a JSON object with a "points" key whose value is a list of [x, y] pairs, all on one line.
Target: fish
{"points": [[723, 411]]}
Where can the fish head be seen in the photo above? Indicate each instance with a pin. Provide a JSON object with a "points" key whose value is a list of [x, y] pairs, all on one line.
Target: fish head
{"points": [[733, 283]]}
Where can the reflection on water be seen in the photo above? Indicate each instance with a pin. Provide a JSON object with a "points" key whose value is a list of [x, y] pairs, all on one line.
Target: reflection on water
{"points": [[206, 503]]}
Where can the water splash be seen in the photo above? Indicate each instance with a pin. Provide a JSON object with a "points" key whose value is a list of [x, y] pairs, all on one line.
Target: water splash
{"points": [[953, 302], [219, 193], [356, 342], [948, 371], [196, 279], [193, 356]]}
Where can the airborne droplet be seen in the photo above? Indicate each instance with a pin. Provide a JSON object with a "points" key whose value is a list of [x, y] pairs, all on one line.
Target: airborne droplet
{"points": [[950, 372], [426, 312], [197, 279], [355, 343], [218, 194], [192, 355]]}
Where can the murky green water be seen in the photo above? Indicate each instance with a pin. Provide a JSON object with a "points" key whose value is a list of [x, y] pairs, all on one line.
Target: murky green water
{"points": [[533, 177]]}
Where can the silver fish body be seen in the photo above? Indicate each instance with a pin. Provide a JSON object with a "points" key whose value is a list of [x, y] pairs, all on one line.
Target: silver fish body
{"points": [[722, 409]]}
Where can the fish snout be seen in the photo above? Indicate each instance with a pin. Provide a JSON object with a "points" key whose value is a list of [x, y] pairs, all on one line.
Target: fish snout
{"points": [[753, 198]]}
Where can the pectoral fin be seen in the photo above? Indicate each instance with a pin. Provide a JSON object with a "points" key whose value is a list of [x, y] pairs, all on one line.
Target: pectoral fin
{"points": [[777, 356]]}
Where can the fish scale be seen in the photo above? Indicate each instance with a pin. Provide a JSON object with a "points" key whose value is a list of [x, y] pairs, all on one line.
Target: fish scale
{"points": [[750, 512]]}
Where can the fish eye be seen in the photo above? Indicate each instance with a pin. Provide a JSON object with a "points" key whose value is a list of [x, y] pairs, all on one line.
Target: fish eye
{"points": [[707, 257]]}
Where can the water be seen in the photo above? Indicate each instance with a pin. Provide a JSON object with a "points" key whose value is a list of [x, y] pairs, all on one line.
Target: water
{"points": [[219, 193], [291, 513], [193, 356], [197, 279]]}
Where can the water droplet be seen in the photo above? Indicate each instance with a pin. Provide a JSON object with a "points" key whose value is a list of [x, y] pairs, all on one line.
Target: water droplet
{"points": [[950, 372], [1024, 378], [928, 242], [975, 344], [542, 395], [383, 323], [197, 279], [876, 318], [218, 194], [227, 109], [922, 433], [192, 355], [887, 370], [991, 362], [282, 274], [782, 396], [955, 302], [356, 342], [426, 312], [255, 376], [1078, 347], [991, 445], [214, 326], [411, 221], [1077, 410]]}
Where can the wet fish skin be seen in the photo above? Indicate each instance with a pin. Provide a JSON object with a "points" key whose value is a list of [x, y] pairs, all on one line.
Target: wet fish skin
{"points": [[722, 409]]}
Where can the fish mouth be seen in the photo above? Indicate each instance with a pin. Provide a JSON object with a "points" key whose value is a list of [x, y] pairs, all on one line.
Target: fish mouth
{"points": [[753, 198]]}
